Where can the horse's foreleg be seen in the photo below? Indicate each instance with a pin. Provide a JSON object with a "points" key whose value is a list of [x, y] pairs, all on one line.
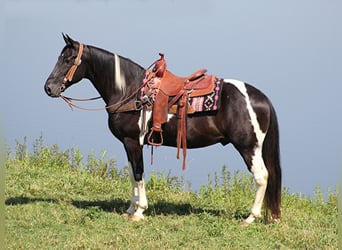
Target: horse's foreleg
{"points": [[136, 171], [139, 201], [141, 204], [260, 174]]}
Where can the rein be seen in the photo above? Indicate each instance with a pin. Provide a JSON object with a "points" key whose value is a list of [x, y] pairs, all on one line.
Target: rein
{"points": [[118, 107]]}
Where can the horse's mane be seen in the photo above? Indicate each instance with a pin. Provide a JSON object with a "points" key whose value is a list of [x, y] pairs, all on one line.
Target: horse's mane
{"points": [[101, 56]]}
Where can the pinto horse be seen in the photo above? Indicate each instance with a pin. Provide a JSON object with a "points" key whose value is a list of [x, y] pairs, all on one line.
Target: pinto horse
{"points": [[246, 118]]}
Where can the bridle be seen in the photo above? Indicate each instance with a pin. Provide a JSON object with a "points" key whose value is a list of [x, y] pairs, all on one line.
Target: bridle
{"points": [[121, 106], [70, 74]]}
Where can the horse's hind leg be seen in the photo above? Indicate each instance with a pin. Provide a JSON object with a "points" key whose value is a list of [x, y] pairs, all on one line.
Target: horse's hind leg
{"points": [[260, 174]]}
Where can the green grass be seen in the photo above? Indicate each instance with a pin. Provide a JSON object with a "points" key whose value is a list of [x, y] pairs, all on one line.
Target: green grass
{"points": [[53, 200]]}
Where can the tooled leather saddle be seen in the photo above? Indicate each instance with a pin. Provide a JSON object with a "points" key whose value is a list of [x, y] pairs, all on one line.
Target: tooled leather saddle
{"points": [[170, 91]]}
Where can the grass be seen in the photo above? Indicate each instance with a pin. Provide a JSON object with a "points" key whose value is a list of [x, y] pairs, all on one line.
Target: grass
{"points": [[53, 200]]}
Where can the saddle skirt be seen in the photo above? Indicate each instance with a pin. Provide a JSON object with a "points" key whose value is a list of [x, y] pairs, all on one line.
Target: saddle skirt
{"points": [[205, 102]]}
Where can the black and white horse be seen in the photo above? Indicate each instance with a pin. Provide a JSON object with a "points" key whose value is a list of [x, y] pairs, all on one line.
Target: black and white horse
{"points": [[246, 118]]}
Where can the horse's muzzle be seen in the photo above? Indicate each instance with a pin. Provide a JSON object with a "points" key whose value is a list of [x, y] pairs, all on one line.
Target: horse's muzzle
{"points": [[53, 90]]}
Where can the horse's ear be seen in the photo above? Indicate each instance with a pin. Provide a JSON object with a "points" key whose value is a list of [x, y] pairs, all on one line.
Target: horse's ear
{"points": [[68, 40]]}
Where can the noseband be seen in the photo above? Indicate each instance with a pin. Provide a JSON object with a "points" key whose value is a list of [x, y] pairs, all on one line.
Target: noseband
{"points": [[72, 70]]}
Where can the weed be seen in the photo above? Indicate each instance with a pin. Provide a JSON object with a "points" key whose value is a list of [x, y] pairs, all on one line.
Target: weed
{"points": [[55, 200]]}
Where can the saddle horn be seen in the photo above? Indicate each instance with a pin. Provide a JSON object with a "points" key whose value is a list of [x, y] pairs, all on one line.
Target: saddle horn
{"points": [[160, 66]]}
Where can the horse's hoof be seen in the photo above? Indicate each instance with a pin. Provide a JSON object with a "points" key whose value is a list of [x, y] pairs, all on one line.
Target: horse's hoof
{"points": [[136, 218], [125, 215], [275, 220], [245, 223]]}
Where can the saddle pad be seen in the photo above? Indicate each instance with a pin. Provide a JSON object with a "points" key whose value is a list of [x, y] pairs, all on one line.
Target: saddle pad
{"points": [[208, 102]]}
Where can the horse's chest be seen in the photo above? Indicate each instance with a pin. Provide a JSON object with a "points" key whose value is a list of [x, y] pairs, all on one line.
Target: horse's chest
{"points": [[122, 125]]}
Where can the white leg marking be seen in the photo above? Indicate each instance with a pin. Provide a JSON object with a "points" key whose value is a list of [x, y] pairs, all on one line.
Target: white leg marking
{"points": [[135, 195], [258, 168], [139, 200], [120, 80], [141, 205], [260, 174]]}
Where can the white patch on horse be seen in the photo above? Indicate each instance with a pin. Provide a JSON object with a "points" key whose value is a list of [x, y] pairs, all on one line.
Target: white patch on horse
{"points": [[242, 88], [142, 123], [143, 127], [120, 80], [169, 117], [258, 167]]}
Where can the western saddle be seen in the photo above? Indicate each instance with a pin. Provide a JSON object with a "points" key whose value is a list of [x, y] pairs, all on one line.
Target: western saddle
{"points": [[170, 90]]}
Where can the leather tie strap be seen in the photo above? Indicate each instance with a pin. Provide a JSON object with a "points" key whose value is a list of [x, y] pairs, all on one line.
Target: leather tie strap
{"points": [[77, 62]]}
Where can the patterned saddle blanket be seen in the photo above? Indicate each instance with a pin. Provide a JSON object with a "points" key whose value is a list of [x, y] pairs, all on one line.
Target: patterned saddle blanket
{"points": [[204, 103]]}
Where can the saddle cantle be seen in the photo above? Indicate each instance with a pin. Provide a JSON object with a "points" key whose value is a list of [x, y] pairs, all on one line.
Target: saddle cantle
{"points": [[171, 90]]}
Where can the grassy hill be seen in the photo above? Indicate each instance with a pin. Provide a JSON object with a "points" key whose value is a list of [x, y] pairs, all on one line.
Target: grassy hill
{"points": [[55, 200]]}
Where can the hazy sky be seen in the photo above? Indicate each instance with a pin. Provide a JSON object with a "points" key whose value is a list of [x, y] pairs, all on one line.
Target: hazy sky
{"points": [[291, 50]]}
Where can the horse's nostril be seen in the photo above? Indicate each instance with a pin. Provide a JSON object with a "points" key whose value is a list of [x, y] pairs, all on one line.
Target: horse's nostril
{"points": [[48, 90]]}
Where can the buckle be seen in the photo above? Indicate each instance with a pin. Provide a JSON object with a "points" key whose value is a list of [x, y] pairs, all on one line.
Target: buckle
{"points": [[138, 105]]}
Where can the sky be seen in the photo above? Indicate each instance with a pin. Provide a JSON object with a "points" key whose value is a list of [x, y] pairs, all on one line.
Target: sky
{"points": [[290, 50]]}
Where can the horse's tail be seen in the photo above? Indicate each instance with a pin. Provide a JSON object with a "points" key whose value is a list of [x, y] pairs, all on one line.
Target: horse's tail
{"points": [[271, 156]]}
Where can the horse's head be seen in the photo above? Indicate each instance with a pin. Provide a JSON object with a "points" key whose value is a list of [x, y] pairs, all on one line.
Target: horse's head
{"points": [[68, 70]]}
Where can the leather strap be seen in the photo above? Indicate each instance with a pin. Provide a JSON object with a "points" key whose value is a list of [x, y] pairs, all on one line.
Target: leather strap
{"points": [[77, 62], [181, 127]]}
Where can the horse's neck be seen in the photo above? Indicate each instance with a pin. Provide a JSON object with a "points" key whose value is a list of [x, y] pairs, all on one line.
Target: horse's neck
{"points": [[113, 76]]}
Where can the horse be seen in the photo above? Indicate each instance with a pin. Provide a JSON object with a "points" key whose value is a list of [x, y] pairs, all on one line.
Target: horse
{"points": [[246, 119]]}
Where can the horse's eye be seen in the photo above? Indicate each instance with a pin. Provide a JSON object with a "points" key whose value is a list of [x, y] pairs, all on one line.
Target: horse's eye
{"points": [[61, 56], [67, 60]]}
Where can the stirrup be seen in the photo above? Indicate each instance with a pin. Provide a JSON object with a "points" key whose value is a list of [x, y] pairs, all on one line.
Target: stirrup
{"points": [[150, 138]]}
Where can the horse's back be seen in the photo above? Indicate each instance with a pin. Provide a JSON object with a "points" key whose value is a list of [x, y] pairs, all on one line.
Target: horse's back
{"points": [[231, 123]]}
